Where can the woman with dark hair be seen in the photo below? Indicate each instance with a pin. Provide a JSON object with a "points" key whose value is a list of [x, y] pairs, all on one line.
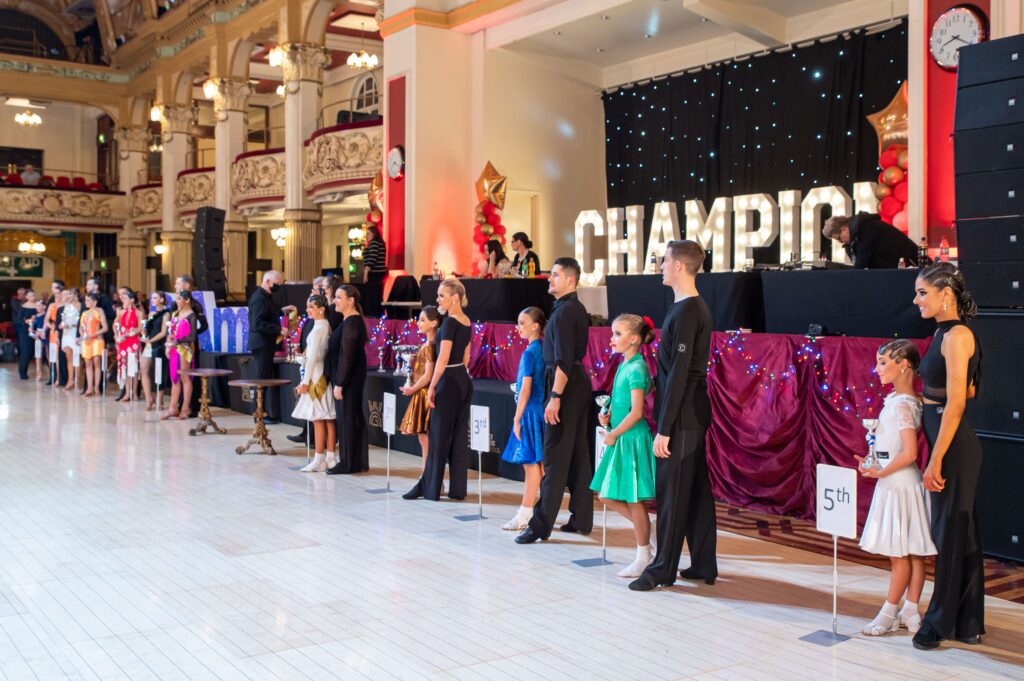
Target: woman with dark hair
{"points": [[129, 324], [154, 336], [92, 327], [315, 402], [951, 372], [526, 263], [375, 257], [180, 347], [497, 262], [349, 364]]}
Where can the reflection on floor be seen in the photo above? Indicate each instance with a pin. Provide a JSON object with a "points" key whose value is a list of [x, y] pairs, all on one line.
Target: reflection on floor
{"points": [[129, 550]]}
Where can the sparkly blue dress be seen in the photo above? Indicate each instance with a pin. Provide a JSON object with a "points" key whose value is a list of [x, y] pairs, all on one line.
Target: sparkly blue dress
{"points": [[530, 449]]}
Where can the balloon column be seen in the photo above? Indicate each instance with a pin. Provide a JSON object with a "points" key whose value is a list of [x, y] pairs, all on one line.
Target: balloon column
{"points": [[375, 217], [890, 125], [490, 194]]}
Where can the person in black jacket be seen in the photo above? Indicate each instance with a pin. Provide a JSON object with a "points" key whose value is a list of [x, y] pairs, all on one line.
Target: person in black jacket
{"points": [[349, 379], [264, 334], [23, 319], [870, 242]]}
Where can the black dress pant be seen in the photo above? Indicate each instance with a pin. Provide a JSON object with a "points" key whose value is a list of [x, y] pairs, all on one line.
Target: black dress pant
{"points": [[567, 458], [26, 353], [353, 437], [263, 367], [957, 608], [449, 436], [686, 509]]}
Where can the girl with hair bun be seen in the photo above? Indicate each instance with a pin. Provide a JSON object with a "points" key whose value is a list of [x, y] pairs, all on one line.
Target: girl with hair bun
{"points": [[417, 415], [624, 478], [951, 372]]}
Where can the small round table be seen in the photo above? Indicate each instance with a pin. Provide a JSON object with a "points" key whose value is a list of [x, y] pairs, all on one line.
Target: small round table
{"points": [[259, 431], [205, 417]]}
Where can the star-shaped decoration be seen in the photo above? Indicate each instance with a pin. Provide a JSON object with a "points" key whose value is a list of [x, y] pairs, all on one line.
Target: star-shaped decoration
{"points": [[890, 123], [492, 186]]}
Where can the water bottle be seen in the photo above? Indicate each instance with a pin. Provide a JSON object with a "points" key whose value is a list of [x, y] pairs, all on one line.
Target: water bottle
{"points": [[944, 250], [653, 265], [922, 252], [903, 264], [436, 271]]}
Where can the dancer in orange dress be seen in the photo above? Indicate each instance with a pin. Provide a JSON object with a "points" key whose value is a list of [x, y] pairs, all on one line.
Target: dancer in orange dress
{"points": [[92, 326]]}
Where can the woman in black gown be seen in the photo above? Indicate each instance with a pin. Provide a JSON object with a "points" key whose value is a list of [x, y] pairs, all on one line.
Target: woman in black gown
{"points": [[347, 351], [951, 371], [449, 395]]}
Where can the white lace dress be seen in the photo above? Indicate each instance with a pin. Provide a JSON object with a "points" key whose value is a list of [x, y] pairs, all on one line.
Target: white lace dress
{"points": [[899, 521], [318, 402]]}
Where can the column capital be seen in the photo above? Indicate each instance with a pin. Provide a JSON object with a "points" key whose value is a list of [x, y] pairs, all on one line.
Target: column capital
{"points": [[302, 215], [232, 94], [304, 62], [176, 119], [131, 141], [236, 226]]}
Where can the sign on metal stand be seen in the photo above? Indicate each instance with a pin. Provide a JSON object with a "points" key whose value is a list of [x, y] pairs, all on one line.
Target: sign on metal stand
{"points": [[388, 422], [52, 358], [133, 371], [836, 515], [158, 377], [599, 447], [480, 441]]}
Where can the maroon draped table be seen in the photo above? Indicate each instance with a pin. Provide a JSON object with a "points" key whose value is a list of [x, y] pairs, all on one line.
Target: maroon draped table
{"points": [[781, 404]]}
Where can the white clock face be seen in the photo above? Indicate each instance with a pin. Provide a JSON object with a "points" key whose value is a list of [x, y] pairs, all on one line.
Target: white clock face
{"points": [[953, 29], [396, 163]]}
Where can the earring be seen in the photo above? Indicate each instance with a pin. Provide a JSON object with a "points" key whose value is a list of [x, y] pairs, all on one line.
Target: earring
{"points": [[903, 371], [944, 307]]}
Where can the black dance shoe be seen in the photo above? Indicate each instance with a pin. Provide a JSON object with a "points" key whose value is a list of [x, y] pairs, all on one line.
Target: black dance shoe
{"points": [[571, 527], [300, 438], [267, 421], [970, 640], [528, 536], [415, 493], [926, 638], [689, 573], [646, 583]]}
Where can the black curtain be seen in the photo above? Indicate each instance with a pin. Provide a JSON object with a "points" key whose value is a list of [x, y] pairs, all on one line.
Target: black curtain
{"points": [[785, 120]]}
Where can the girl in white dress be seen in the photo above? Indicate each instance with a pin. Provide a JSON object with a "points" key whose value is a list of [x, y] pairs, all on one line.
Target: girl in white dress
{"points": [[898, 523], [316, 403]]}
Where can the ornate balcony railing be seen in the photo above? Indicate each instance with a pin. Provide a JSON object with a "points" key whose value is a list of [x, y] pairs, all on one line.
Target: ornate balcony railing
{"points": [[35, 207], [192, 190], [342, 160], [146, 205], [257, 181]]}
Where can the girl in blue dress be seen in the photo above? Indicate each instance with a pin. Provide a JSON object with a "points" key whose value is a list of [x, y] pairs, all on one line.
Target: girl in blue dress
{"points": [[525, 444]]}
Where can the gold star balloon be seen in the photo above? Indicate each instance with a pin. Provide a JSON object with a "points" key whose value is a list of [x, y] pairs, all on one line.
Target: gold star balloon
{"points": [[492, 186], [376, 191], [890, 123]]}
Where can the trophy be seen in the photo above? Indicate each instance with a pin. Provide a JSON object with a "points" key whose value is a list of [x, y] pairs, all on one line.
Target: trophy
{"points": [[406, 354], [871, 460], [603, 402], [515, 391]]}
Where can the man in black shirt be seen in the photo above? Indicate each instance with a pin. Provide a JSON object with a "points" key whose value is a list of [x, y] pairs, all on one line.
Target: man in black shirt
{"points": [[870, 242], [686, 509], [264, 331], [567, 388]]}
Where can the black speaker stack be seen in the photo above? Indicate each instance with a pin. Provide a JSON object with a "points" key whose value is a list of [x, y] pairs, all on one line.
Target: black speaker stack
{"points": [[208, 252], [988, 143]]}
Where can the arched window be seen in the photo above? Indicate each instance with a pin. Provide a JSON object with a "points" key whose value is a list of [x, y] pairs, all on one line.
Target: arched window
{"points": [[24, 34], [367, 95]]}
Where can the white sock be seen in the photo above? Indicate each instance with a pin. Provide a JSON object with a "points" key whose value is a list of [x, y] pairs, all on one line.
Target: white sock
{"points": [[644, 552], [890, 609], [316, 464], [524, 511]]}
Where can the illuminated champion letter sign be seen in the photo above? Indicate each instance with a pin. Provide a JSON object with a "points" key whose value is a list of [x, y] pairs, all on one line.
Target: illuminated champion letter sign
{"points": [[746, 239], [712, 230], [592, 269], [664, 228], [810, 232], [628, 247]]}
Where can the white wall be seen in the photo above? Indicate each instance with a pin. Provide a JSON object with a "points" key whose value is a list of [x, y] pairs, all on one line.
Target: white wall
{"points": [[544, 130], [67, 137]]}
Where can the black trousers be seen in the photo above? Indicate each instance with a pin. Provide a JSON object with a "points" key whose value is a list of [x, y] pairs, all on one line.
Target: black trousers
{"points": [[686, 509], [957, 608], [353, 437], [567, 458], [263, 367], [449, 436], [26, 353]]}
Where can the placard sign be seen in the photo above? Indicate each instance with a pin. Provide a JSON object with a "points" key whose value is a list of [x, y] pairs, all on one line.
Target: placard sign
{"points": [[389, 413], [53, 353], [39, 349], [480, 428], [837, 501], [133, 365], [599, 445], [158, 371]]}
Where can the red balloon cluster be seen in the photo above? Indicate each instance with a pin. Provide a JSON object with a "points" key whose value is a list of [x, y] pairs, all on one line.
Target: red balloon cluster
{"points": [[488, 224], [892, 187]]}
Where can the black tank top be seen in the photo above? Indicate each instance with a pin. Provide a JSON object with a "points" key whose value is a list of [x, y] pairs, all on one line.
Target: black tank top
{"points": [[933, 364]]}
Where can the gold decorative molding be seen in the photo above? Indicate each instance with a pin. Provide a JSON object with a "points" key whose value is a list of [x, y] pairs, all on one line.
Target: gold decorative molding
{"points": [[132, 141], [232, 95], [145, 205], [342, 158], [257, 182], [64, 208], [193, 190], [176, 119], [304, 62], [433, 19]]}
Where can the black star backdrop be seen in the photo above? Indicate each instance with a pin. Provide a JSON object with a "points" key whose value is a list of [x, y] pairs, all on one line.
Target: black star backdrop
{"points": [[785, 120]]}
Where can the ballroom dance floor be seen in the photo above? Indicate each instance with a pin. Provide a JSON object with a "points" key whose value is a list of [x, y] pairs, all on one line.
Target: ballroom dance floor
{"points": [[129, 550]]}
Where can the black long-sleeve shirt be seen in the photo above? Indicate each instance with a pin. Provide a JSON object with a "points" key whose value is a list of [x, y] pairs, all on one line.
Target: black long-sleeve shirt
{"points": [[682, 397], [350, 364], [201, 323], [264, 320], [567, 332], [875, 244]]}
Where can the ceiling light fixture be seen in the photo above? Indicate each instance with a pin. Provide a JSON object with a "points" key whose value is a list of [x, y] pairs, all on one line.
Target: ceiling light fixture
{"points": [[362, 61], [280, 90], [210, 88], [28, 118], [599, 50], [156, 113], [160, 249], [31, 246], [275, 57], [605, 17]]}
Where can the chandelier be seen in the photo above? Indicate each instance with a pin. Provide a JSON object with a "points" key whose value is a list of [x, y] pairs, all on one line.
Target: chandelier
{"points": [[29, 118], [31, 246], [362, 61]]}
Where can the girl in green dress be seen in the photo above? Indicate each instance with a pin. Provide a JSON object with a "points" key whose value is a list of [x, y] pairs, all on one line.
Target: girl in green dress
{"points": [[624, 478]]}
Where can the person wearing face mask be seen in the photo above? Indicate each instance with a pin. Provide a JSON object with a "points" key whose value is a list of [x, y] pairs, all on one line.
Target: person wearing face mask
{"points": [[264, 333]]}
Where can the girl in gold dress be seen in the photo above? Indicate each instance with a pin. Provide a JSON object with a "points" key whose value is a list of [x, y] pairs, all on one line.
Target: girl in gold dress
{"points": [[417, 415]]}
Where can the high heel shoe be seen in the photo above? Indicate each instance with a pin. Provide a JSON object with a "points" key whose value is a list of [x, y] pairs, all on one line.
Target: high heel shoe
{"points": [[185, 414], [689, 573], [171, 413]]}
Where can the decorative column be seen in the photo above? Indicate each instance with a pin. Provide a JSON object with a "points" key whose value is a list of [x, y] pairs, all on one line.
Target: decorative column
{"points": [[132, 149], [175, 124], [303, 75], [229, 105]]}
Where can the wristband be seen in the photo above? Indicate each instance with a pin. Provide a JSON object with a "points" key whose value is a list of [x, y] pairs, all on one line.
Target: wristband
{"points": [[556, 396]]}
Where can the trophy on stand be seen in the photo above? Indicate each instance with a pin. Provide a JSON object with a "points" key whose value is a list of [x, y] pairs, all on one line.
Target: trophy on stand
{"points": [[406, 355], [871, 460], [603, 401], [515, 391]]}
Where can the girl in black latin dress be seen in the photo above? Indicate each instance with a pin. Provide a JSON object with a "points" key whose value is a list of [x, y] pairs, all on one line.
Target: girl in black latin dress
{"points": [[951, 371], [449, 395], [349, 379]]}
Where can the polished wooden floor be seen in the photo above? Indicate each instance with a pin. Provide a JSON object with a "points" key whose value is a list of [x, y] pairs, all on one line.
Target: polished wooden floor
{"points": [[129, 550]]}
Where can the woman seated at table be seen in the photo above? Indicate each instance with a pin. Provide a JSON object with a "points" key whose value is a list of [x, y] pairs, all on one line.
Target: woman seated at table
{"points": [[521, 244], [498, 264]]}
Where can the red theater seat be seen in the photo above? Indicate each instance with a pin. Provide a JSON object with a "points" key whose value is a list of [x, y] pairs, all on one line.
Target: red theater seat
{"points": [[63, 181], [95, 187], [79, 183], [14, 178]]}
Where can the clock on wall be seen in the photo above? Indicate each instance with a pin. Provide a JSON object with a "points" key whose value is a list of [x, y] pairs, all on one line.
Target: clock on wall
{"points": [[396, 162], [956, 27]]}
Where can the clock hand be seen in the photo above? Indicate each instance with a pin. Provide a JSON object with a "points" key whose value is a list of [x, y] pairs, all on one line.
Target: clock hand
{"points": [[956, 37]]}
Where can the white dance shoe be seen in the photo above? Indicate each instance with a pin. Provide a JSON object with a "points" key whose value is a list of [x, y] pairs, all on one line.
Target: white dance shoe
{"points": [[883, 623], [644, 557], [332, 460], [910, 617], [520, 520], [317, 465]]}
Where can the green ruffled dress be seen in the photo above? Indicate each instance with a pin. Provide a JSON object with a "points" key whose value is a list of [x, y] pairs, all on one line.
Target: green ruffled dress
{"points": [[626, 471]]}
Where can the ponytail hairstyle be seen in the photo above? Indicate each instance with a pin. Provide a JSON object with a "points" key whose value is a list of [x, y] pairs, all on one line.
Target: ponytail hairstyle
{"points": [[901, 349], [641, 326], [433, 314], [945, 275], [536, 316], [353, 293]]}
